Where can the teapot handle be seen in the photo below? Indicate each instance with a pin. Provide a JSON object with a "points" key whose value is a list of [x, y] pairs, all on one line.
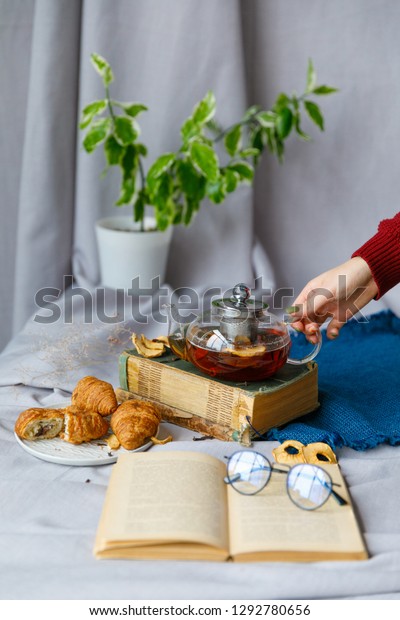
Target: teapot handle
{"points": [[310, 356]]}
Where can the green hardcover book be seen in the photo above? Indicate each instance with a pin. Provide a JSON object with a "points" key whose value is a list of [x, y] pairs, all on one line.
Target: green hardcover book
{"points": [[222, 409]]}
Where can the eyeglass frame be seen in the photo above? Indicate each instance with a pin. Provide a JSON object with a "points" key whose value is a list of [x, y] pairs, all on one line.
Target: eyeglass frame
{"points": [[272, 468]]}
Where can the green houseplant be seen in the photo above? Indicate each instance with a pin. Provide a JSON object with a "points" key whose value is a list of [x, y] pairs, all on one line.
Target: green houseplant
{"points": [[210, 163]]}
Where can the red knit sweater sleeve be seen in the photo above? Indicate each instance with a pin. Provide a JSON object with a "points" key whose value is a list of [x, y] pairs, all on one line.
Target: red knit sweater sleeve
{"points": [[382, 254]]}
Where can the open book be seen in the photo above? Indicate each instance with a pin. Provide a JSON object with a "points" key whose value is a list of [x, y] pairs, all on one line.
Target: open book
{"points": [[175, 505]]}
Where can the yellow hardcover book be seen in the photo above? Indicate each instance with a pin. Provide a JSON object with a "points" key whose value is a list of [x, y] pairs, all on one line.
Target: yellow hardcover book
{"points": [[219, 408], [176, 506]]}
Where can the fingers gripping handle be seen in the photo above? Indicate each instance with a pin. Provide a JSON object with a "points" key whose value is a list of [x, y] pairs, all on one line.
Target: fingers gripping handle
{"points": [[311, 355]]}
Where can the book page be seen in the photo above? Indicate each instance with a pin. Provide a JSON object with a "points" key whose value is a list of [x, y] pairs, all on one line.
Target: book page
{"points": [[165, 497], [269, 521]]}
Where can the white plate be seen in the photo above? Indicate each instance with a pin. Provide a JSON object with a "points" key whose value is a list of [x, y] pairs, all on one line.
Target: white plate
{"points": [[95, 452]]}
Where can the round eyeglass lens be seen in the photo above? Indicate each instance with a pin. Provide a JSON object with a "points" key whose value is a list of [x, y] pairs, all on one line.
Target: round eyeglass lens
{"points": [[248, 472], [308, 486]]}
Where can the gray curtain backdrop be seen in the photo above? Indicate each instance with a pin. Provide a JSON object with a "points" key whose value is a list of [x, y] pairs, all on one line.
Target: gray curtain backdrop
{"points": [[305, 216]]}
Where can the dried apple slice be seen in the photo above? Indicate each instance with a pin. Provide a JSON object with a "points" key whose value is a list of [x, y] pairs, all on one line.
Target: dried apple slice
{"points": [[163, 339], [319, 453], [152, 344], [289, 452], [247, 351], [145, 350]]}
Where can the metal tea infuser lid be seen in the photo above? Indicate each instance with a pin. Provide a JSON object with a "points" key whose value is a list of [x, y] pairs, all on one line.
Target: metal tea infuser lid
{"points": [[239, 304], [238, 314]]}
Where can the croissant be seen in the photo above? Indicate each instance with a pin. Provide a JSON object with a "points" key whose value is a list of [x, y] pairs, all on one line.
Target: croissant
{"points": [[91, 394], [134, 422], [83, 427], [39, 423]]}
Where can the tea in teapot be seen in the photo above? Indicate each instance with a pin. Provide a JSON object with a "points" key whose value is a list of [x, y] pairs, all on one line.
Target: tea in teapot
{"points": [[237, 340]]}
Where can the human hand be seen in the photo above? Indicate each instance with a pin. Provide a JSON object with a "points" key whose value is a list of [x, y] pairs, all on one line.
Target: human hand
{"points": [[337, 295]]}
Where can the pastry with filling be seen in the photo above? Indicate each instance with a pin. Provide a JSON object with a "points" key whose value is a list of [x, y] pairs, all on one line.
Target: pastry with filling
{"points": [[91, 394], [134, 423], [82, 427], [39, 423]]}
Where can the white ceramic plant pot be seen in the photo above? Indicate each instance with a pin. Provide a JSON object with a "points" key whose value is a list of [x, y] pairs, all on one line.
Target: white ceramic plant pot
{"points": [[125, 252]]}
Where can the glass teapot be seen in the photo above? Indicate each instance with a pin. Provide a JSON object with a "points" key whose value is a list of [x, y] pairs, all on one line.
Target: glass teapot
{"points": [[237, 340]]}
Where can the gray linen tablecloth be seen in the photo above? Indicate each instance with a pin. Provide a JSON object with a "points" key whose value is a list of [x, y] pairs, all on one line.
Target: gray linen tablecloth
{"points": [[49, 513]]}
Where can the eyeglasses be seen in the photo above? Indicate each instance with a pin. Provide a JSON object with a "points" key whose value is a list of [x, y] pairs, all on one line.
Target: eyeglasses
{"points": [[308, 486]]}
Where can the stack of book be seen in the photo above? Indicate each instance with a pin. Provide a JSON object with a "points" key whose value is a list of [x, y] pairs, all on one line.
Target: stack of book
{"points": [[222, 409]]}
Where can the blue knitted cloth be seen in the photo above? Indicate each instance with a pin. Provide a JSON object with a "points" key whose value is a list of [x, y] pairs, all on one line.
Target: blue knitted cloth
{"points": [[359, 388]]}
